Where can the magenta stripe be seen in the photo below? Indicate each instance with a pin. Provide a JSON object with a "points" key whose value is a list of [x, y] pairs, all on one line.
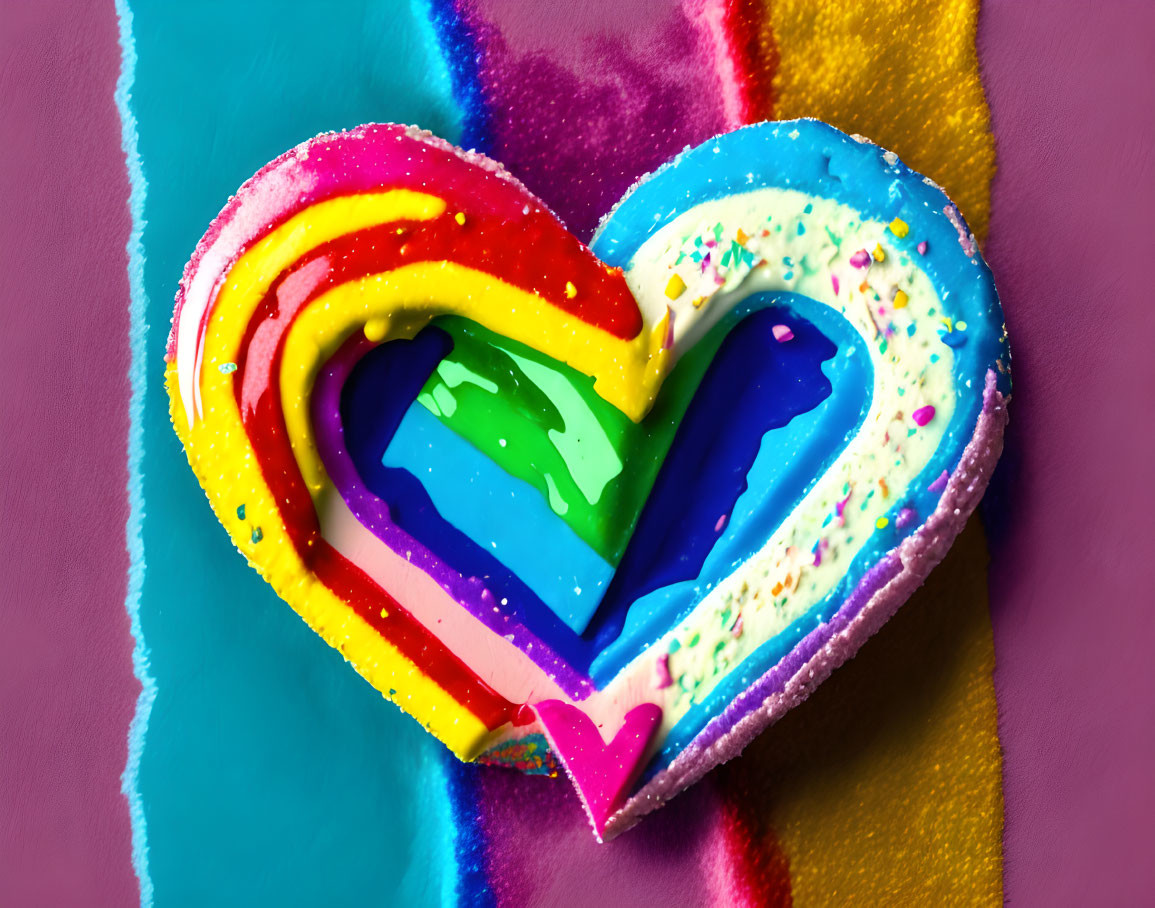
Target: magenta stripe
{"points": [[1072, 512], [542, 852], [586, 98]]}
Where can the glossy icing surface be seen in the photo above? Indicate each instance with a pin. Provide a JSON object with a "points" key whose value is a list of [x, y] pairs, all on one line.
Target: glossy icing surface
{"points": [[634, 483]]}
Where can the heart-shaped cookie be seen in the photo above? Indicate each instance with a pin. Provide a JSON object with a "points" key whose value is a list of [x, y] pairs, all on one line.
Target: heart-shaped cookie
{"points": [[614, 509]]}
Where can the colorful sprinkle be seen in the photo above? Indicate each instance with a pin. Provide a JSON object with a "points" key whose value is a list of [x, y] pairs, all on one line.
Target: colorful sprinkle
{"points": [[939, 484], [899, 228], [879, 253], [663, 678], [901, 298], [922, 247], [923, 415], [834, 281], [257, 535], [904, 518], [570, 290], [675, 288], [882, 523], [460, 218], [241, 512], [226, 368], [860, 259], [782, 333]]}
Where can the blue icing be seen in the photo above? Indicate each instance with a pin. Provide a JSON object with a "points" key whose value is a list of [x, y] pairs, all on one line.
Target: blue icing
{"points": [[470, 846], [812, 157], [468, 490], [269, 772]]}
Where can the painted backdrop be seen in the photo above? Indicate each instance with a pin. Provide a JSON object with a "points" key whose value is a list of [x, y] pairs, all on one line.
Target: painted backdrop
{"points": [[272, 774]]}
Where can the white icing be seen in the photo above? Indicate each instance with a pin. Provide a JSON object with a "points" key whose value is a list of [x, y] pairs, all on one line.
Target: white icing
{"points": [[905, 379]]}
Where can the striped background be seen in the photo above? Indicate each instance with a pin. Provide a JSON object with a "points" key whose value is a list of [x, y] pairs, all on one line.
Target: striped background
{"points": [[1072, 119]]}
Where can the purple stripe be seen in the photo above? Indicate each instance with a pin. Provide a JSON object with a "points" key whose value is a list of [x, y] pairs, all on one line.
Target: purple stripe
{"points": [[67, 692], [1071, 513]]}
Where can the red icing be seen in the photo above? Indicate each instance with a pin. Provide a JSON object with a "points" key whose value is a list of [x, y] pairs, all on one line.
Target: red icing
{"points": [[759, 864]]}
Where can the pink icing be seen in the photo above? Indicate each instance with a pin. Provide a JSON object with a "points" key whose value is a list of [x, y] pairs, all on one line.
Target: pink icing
{"points": [[600, 772]]}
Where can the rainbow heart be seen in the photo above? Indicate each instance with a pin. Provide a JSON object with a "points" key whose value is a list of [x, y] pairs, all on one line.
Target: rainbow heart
{"points": [[654, 490]]}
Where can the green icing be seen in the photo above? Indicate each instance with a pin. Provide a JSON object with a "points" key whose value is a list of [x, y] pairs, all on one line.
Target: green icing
{"points": [[542, 421]]}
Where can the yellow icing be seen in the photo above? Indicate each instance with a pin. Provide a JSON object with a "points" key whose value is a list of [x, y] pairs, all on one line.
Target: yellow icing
{"points": [[249, 278], [223, 460]]}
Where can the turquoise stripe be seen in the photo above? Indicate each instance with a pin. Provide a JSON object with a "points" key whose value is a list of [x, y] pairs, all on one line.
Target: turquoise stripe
{"points": [[262, 769], [129, 783]]}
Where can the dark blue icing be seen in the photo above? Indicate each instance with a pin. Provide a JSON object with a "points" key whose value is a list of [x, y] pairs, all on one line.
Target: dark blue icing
{"points": [[789, 460], [453, 35], [755, 385]]}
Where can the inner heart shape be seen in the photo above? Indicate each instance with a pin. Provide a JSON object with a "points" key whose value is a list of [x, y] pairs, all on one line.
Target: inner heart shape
{"points": [[653, 490]]}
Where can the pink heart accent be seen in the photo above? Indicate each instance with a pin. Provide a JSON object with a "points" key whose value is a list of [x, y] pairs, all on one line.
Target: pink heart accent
{"points": [[601, 772]]}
